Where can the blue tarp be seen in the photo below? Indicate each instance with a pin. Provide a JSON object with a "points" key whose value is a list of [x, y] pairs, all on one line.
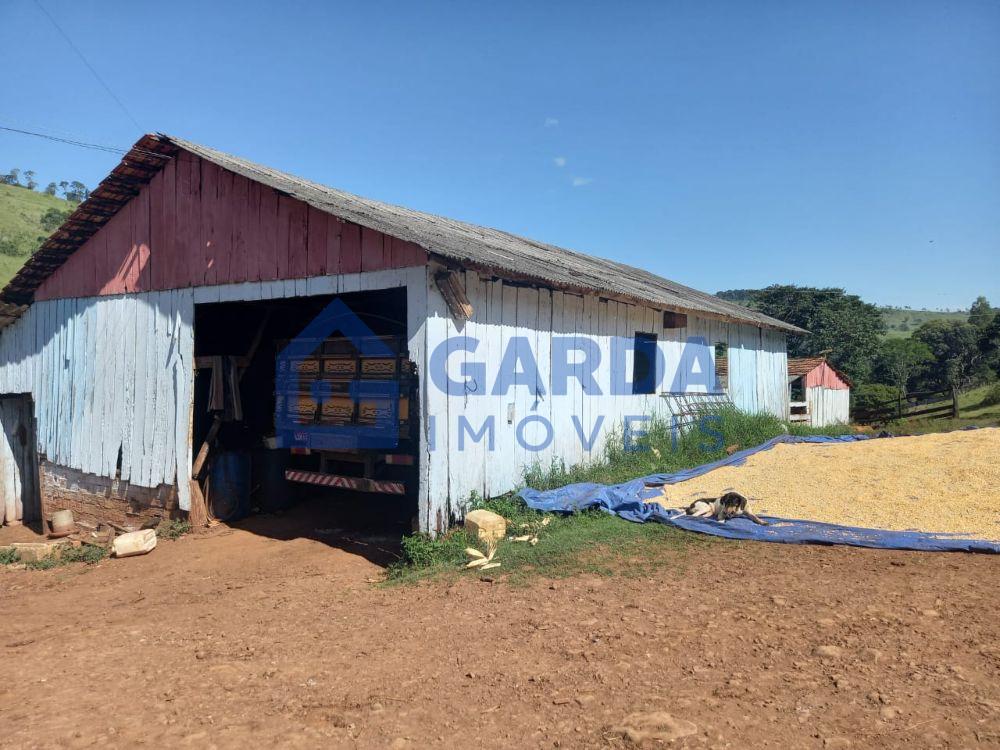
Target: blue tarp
{"points": [[627, 500]]}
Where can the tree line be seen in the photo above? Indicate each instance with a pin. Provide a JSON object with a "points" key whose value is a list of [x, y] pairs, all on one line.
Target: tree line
{"points": [[71, 190], [938, 354]]}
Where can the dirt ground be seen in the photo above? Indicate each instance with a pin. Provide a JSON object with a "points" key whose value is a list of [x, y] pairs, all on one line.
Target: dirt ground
{"points": [[257, 637]]}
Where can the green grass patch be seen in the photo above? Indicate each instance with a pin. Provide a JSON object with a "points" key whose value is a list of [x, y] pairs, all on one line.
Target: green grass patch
{"points": [[85, 553], [977, 407], [587, 542], [594, 541], [173, 529], [8, 556], [27, 217]]}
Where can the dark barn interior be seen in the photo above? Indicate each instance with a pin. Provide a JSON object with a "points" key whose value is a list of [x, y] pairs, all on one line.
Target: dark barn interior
{"points": [[237, 345]]}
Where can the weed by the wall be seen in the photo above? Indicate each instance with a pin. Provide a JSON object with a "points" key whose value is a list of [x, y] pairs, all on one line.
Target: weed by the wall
{"points": [[85, 553], [173, 529]]}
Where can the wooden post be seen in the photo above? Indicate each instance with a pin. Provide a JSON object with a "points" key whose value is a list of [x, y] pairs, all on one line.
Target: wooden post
{"points": [[198, 515], [954, 402], [202, 456]]}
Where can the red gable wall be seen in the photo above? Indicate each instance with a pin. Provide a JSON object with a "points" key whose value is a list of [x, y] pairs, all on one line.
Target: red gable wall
{"points": [[826, 377], [196, 224]]}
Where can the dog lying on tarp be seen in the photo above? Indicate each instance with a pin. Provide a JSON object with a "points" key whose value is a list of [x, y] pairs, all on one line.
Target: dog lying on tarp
{"points": [[731, 505]]}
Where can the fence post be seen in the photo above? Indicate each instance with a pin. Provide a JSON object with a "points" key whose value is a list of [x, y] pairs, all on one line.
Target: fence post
{"points": [[954, 402], [899, 405]]}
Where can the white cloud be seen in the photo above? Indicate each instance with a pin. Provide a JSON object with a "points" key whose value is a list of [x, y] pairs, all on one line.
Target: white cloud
{"points": [[551, 122], [581, 181], [559, 161]]}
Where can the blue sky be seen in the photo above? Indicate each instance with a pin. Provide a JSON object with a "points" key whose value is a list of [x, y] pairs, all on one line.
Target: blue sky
{"points": [[720, 144]]}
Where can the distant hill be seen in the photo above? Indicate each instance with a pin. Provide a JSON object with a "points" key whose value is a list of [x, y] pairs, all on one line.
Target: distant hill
{"points": [[900, 322], [26, 219], [739, 296]]}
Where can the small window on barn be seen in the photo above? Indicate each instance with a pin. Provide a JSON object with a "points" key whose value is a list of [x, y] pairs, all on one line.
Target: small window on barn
{"points": [[721, 365], [644, 363], [674, 319]]}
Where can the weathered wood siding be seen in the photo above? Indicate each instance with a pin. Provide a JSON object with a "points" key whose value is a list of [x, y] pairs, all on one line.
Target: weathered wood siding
{"points": [[456, 465], [113, 375], [828, 406], [758, 369], [196, 224], [111, 382]]}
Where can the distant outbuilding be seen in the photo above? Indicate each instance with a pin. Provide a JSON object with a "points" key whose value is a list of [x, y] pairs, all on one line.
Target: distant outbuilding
{"points": [[819, 393]]}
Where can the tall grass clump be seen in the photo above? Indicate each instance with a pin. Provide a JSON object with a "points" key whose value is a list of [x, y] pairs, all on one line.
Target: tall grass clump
{"points": [[664, 448]]}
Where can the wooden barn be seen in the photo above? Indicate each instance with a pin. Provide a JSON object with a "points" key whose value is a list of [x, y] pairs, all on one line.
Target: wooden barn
{"points": [[819, 394], [139, 346]]}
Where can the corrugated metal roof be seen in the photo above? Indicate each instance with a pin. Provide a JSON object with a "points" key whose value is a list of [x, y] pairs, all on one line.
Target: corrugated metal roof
{"points": [[457, 242]]}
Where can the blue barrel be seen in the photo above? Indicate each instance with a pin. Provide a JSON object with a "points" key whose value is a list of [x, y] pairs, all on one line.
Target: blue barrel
{"points": [[271, 491], [229, 485]]}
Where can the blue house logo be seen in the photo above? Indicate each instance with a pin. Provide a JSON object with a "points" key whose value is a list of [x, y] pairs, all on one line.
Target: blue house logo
{"points": [[293, 384]]}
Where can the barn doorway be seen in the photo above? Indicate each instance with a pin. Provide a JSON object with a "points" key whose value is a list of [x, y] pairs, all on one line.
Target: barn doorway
{"points": [[20, 499], [270, 461]]}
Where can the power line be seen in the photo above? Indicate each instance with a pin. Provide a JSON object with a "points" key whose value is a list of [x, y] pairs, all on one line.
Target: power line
{"points": [[84, 144], [89, 66]]}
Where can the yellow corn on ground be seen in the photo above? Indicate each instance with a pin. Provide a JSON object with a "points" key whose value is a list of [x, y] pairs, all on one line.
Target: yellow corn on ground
{"points": [[946, 482]]}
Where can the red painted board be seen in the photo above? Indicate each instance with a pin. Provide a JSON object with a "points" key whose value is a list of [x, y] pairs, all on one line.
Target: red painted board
{"points": [[405, 254], [223, 232], [157, 241], [117, 233], [281, 247], [372, 250], [252, 229], [238, 247], [316, 244], [297, 239], [186, 262], [350, 248], [269, 223], [209, 222], [334, 227], [137, 272], [165, 253]]}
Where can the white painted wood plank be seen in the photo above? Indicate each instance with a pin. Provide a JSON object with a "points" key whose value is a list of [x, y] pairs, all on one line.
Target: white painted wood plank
{"points": [[437, 417], [499, 473], [164, 407], [183, 370], [416, 333]]}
